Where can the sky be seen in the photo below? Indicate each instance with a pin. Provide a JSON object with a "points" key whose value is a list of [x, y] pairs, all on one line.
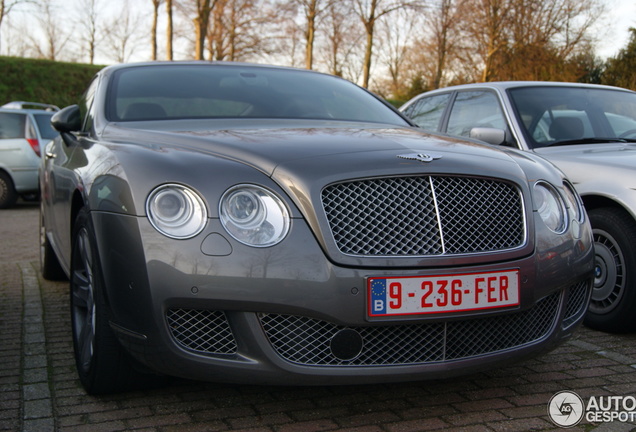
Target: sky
{"points": [[614, 26]]}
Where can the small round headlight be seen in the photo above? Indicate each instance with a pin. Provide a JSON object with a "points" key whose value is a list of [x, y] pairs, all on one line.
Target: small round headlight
{"points": [[550, 206], [176, 211], [254, 215]]}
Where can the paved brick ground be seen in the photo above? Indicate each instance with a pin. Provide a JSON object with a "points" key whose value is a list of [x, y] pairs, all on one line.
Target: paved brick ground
{"points": [[39, 390]]}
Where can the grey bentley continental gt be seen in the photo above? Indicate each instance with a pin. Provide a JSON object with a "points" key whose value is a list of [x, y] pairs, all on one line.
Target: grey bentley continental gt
{"points": [[258, 224]]}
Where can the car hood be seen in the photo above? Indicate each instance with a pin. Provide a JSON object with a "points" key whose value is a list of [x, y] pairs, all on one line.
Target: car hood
{"points": [[275, 148], [591, 162]]}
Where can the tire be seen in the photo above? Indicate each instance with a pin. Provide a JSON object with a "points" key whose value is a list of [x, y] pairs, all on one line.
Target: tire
{"points": [[50, 267], [8, 195], [614, 295], [102, 364]]}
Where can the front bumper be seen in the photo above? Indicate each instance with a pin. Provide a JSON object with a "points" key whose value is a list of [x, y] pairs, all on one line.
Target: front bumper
{"points": [[212, 309]]}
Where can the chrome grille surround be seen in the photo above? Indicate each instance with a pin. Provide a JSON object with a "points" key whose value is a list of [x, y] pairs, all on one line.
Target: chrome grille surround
{"points": [[202, 331], [424, 216], [306, 341]]}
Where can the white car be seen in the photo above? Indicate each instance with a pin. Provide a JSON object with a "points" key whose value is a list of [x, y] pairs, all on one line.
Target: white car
{"points": [[25, 128], [589, 132]]}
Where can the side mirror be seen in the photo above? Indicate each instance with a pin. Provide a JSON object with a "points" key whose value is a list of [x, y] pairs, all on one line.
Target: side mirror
{"points": [[489, 135], [67, 120]]}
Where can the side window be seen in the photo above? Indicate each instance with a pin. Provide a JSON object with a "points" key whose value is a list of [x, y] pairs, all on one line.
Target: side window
{"points": [[86, 105], [427, 112], [475, 109], [12, 125]]}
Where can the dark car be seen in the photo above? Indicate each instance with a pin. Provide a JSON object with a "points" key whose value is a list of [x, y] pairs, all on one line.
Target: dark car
{"points": [[257, 224], [588, 131], [25, 127]]}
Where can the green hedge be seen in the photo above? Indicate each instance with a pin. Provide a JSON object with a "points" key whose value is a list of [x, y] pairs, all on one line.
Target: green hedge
{"points": [[45, 81]]}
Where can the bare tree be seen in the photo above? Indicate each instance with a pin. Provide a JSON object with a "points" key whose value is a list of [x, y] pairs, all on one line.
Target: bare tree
{"points": [[444, 23], [528, 39], [311, 10], [201, 25], [239, 30], [341, 37], [396, 48], [6, 6], [218, 36], [487, 29], [169, 30], [153, 31], [122, 35], [369, 12], [89, 12], [286, 37], [54, 38]]}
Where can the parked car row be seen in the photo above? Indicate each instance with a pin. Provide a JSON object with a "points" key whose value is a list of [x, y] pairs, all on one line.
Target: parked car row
{"points": [[589, 132], [242, 223], [25, 128]]}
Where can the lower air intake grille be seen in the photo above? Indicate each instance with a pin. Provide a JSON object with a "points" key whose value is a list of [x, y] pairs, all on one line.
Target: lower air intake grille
{"points": [[201, 331], [307, 341], [576, 304]]}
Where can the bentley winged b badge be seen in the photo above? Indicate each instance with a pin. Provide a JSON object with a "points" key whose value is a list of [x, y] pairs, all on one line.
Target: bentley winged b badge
{"points": [[422, 157]]}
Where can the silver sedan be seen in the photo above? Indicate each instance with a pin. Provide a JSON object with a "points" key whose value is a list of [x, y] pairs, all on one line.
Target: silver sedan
{"points": [[588, 131]]}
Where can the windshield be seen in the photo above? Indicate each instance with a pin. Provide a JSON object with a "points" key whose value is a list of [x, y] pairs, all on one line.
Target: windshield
{"points": [[188, 91], [569, 115]]}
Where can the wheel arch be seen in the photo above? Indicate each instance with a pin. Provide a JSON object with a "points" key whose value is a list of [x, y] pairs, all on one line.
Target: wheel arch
{"points": [[592, 202], [77, 204]]}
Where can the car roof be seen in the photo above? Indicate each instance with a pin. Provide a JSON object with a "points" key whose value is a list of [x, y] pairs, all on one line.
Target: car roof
{"points": [[505, 85], [34, 107], [108, 69]]}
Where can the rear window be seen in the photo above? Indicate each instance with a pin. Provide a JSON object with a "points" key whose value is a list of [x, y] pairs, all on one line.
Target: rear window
{"points": [[12, 125]]}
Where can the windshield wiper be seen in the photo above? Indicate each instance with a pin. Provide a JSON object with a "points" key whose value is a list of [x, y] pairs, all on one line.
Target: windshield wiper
{"points": [[592, 140]]}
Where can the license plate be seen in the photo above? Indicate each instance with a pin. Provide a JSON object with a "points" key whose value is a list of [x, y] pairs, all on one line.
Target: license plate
{"points": [[414, 295]]}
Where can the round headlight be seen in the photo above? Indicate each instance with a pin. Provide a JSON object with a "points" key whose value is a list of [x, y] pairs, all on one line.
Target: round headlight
{"points": [[176, 211], [550, 206], [254, 216], [575, 205]]}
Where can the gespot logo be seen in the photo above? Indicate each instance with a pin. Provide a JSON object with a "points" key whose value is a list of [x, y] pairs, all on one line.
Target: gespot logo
{"points": [[566, 409]]}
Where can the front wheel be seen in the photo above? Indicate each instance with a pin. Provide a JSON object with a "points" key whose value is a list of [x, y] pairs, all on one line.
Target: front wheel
{"points": [[614, 295], [102, 364]]}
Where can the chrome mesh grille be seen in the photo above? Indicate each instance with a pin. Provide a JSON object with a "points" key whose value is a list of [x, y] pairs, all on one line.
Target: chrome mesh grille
{"points": [[202, 331], [419, 216], [306, 341], [576, 304]]}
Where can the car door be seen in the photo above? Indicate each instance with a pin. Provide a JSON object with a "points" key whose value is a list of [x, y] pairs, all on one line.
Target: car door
{"points": [[428, 111], [458, 112], [474, 109], [62, 157]]}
